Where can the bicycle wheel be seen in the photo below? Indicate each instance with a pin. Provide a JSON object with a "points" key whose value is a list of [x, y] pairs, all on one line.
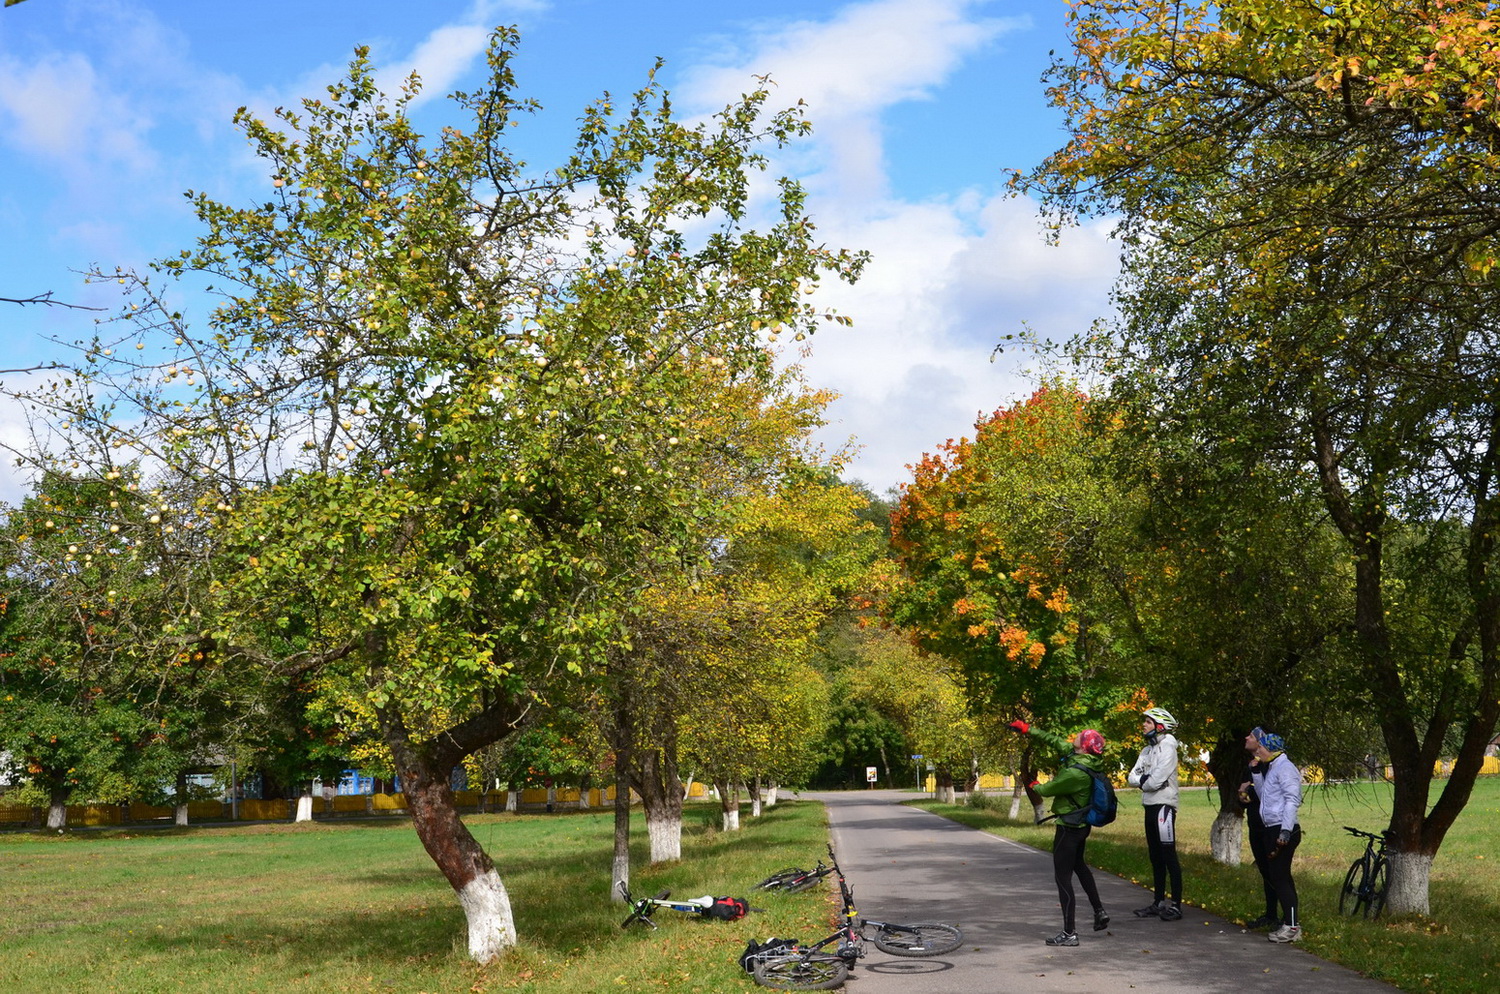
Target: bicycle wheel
{"points": [[808, 972], [919, 939], [1376, 891], [1350, 894], [807, 882], [780, 878]]}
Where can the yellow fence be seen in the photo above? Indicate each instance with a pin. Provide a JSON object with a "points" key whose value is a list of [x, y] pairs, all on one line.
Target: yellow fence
{"points": [[96, 815]]}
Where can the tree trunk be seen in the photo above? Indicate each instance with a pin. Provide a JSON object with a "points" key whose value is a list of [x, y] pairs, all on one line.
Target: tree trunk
{"points": [[1226, 764], [304, 808], [459, 856], [729, 805], [1224, 837], [772, 790], [1407, 892], [942, 780], [57, 808], [655, 779], [620, 873], [755, 809], [181, 811], [1017, 792]]}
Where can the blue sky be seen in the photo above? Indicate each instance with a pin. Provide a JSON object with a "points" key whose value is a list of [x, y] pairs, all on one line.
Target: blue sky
{"points": [[111, 109]]}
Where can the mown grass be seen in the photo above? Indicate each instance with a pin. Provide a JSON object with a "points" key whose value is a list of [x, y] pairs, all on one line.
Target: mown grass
{"points": [[1455, 950], [359, 907]]}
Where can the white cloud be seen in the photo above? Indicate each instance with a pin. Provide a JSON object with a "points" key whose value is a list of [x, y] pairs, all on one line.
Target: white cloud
{"points": [[58, 108], [949, 277]]}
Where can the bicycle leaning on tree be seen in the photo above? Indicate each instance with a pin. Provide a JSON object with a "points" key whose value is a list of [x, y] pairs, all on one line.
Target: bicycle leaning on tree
{"points": [[809, 968], [1365, 884]]}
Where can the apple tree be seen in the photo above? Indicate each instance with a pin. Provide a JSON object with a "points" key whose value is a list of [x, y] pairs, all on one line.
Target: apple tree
{"points": [[442, 414]]}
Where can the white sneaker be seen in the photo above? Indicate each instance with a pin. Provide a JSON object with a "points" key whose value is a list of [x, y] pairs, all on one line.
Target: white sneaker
{"points": [[1286, 933]]}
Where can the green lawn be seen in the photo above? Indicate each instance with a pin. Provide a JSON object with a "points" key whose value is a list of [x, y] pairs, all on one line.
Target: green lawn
{"points": [[359, 906], [1455, 951]]}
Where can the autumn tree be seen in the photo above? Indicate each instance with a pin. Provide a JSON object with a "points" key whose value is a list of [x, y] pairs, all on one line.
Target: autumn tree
{"points": [[1311, 189], [984, 589], [441, 415]]}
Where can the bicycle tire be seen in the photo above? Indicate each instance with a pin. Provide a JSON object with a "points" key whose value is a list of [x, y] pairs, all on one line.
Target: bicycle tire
{"points": [[918, 939], [1349, 895], [808, 972], [807, 882], [780, 878], [1378, 884]]}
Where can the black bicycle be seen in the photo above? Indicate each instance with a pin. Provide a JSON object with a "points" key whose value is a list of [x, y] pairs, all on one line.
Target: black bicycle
{"points": [[809, 968], [1365, 883], [794, 879]]}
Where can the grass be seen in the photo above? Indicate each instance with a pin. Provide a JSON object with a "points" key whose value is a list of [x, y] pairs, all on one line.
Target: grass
{"points": [[1455, 950], [359, 907]]}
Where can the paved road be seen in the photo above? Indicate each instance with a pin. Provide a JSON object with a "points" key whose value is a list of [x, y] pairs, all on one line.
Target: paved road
{"points": [[906, 864]]}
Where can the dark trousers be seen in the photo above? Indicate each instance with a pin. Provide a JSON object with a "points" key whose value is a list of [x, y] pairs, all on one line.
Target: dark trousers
{"points": [[1067, 862], [1161, 847], [1259, 851], [1278, 870]]}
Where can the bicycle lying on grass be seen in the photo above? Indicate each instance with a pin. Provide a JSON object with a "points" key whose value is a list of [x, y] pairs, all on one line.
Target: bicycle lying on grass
{"points": [[1364, 887], [719, 908], [808, 968], [794, 879]]}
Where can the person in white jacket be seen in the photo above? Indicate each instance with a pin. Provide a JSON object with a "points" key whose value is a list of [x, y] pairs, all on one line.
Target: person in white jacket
{"points": [[1155, 773]]}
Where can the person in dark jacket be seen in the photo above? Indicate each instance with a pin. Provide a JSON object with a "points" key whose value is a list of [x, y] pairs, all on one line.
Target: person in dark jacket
{"points": [[1255, 828], [1070, 790], [1279, 784]]}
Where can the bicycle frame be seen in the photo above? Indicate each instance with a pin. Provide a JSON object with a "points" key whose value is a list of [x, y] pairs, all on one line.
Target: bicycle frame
{"points": [[1365, 883], [641, 907], [807, 967]]}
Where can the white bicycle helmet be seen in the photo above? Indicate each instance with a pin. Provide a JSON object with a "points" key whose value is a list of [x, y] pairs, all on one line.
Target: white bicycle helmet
{"points": [[1162, 717]]}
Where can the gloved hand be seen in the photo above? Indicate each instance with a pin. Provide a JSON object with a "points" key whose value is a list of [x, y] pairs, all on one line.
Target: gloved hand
{"points": [[1033, 784], [1283, 838], [1019, 726]]}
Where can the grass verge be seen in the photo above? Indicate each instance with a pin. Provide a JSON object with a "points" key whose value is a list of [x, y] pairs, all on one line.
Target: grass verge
{"points": [[1455, 950], [359, 907]]}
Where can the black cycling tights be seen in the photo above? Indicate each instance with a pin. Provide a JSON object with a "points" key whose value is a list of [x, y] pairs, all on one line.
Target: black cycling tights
{"points": [[1278, 870], [1067, 862], [1161, 846]]}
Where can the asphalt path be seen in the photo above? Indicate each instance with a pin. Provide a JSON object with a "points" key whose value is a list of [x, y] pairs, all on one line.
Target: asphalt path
{"points": [[908, 865]]}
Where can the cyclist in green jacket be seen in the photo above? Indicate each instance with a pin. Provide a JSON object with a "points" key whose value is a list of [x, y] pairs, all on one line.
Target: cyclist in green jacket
{"points": [[1069, 791]]}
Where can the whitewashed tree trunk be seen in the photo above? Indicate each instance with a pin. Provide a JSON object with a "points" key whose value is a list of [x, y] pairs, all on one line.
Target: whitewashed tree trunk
{"points": [[512, 801], [180, 812], [664, 830], [1015, 802], [755, 805], [492, 928], [732, 819], [945, 794], [1225, 837], [1408, 890], [57, 812], [1039, 811], [772, 790], [304, 808], [583, 798]]}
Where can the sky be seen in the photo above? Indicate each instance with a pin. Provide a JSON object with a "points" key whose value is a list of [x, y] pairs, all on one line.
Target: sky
{"points": [[111, 109]]}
